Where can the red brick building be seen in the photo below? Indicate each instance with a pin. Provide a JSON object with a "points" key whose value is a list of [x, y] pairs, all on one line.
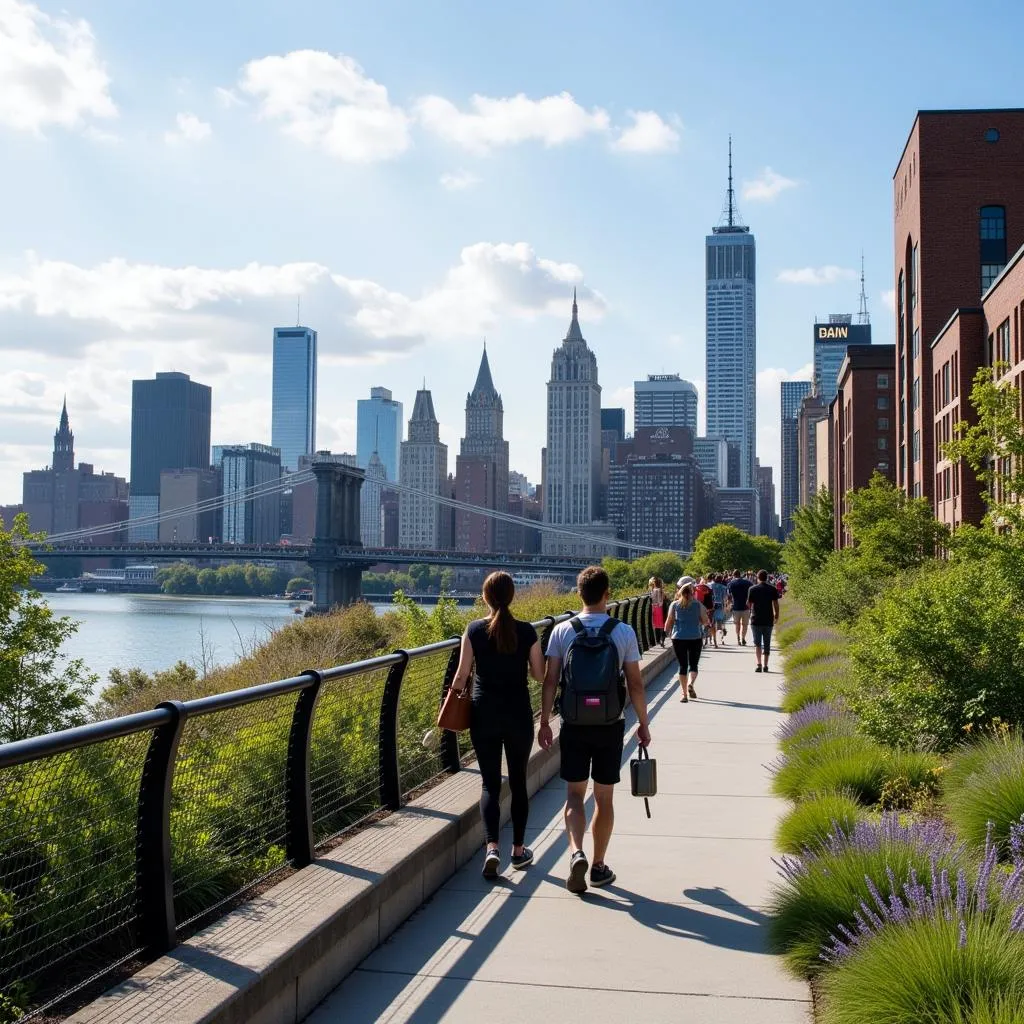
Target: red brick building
{"points": [[862, 427], [958, 196]]}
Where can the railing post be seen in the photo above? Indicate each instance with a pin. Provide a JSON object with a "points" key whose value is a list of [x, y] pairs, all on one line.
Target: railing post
{"points": [[450, 758], [644, 612], [636, 621], [298, 807], [545, 633], [387, 740], [154, 882]]}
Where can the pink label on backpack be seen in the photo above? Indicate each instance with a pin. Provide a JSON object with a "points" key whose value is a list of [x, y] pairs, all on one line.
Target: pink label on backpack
{"points": [[592, 702]]}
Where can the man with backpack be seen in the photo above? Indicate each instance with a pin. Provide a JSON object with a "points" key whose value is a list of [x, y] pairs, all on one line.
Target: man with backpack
{"points": [[593, 663]]}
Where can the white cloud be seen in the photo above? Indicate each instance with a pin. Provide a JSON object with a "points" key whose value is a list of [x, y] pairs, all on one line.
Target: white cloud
{"points": [[647, 134], [552, 120], [768, 187], [227, 98], [189, 129], [50, 72], [829, 274], [456, 181], [889, 299], [329, 102]]}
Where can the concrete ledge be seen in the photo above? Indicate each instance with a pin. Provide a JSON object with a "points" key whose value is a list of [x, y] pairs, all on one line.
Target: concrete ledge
{"points": [[274, 959]]}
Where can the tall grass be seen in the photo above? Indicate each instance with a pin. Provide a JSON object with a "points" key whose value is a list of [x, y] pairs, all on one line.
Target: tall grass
{"points": [[809, 825]]}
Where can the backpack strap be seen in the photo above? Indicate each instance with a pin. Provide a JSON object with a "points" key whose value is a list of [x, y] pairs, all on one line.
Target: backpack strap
{"points": [[608, 627], [578, 627]]}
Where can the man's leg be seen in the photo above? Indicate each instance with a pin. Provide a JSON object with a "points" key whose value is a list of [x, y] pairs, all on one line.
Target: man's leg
{"points": [[604, 820], [736, 619], [757, 646], [575, 815], [745, 619], [766, 642]]}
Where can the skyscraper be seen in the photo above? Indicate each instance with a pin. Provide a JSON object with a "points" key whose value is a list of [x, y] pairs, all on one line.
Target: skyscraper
{"points": [[370, 526], [249, 516], [170, 430], [572, 468], [481, 469], [664, 400], [379, 429], [731, 348], [793, 392], [831, 340], [424, 468], [293, 399]]}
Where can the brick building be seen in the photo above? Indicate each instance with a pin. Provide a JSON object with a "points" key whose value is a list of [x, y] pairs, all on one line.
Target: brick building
{"points": [[958, 197], [861, 426], [813, 409]]}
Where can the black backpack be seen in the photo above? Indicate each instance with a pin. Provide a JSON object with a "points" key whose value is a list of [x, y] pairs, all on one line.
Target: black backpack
{"points": [[592, 692]]}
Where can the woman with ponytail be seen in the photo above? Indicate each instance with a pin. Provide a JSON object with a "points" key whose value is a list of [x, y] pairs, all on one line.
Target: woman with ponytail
{"points": [[496, 654]]}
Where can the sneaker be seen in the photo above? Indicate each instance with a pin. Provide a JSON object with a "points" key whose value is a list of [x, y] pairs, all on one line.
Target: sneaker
{"points": [[758, 669], [577, 880], [491, 862], [601, 874], [766, 666], [692, 691], [522, 860]]}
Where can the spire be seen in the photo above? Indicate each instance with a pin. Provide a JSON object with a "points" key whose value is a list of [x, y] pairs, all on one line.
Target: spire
{"points": [[574, 334], [731, 193], [484, 386], [64, 443], [65, 425], [863, 317], [729, 221]]}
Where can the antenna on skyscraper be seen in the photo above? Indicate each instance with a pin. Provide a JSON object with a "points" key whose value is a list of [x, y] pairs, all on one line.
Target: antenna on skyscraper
{"points": [[731, 194], [730, 214], [298, 310], [863, 317]]}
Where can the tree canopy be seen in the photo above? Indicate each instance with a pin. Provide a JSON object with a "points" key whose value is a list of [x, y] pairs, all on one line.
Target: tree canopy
{"points": [[724, 547]]}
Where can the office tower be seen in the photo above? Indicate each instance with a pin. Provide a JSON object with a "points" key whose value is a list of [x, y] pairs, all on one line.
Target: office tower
{"points": [[712, 455], [252, 508], [293, 401], [614, 420], [739, 507], [831, 340], [422, 522], [170, 430], [518, 484], [793, 392], [370, 525], [572, 466], [379, 429], [481, 468], [767, 517], [731, 335], [185, 489], [664, 400], [811, 412], [958, 197]]}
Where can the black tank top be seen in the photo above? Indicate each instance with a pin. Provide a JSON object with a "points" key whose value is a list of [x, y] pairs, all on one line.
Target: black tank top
{"points": [[499, 680]]}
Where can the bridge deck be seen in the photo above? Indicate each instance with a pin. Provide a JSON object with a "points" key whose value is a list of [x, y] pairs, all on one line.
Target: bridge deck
{"points": [[683, 927]]}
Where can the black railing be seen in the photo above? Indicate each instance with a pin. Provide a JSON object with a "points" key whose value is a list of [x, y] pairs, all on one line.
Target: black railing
{"points": [[117, 836]]}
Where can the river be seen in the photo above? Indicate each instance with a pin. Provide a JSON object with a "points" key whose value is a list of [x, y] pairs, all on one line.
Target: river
{"points": [[153, 632]]}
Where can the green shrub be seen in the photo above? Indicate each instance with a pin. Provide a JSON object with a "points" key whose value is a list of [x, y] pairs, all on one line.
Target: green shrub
{"points": [[790, 634], [807, 693], [810, 823], [921, 972], [813, 653], [836, 764], [985, 783], [911, 777]]}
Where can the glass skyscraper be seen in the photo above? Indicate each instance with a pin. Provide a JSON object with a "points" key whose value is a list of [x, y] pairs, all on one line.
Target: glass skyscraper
{"points": [[379, 429], [664, 400], [831, 340], [293, 402], [731, 345], [793, 392]]}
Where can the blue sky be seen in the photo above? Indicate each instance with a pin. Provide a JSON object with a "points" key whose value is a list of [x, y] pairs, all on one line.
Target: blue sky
{"points": [[425, 174]]}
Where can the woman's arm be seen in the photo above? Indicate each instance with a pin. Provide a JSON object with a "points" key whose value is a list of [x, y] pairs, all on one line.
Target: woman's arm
{"points": [[465, 669], [704, 620], [671, 617], [537, 667]]}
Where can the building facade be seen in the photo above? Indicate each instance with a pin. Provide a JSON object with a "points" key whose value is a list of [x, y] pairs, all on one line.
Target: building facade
{"points": [[371, 526], [481, 468], [170, 430], [793, 392], [831, 340], [194, 492], [767, 517], [712, 455], [812, 411], [664, 400], [379, 429], [740, 507], [247, 474], [731, 341], [293, 395], [572, 464], [422, 522]]}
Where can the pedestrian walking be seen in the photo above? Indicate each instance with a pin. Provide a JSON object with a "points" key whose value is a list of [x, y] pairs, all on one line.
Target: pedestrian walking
{"points": [[687, 618], [496, 653], [657, 591], [739, 588], [720, 593], [593, 661], [763, 599]]}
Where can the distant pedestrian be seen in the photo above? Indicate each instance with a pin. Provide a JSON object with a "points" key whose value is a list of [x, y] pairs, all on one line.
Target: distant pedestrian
{"points": [[587, 659], [739, 588], [763, 599], [687, 619], [720, 593], [496, 652], [657, 591]]}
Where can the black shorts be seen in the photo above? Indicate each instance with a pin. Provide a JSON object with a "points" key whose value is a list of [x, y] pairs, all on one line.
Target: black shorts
{"points": [[592, 752]]}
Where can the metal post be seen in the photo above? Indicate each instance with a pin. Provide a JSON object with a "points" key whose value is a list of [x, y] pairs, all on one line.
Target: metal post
{"points": [[298, 807], [387, 741], [646, 613], [545, 633], [450, 757], [154, 882]]}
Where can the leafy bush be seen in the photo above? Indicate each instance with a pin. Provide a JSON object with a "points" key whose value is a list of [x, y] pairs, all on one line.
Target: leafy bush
{"points": [[809, 825]]}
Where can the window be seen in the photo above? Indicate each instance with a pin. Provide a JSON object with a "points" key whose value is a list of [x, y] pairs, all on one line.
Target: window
{"points": [[1002, 352], [882, 402], [883, 444], [882, 381], [914, 264], [917, 393], [989, 272], [899, 309], [917, 445], [992, 232], [991, 134], [883, 422], [946, 392], [917, 342]]}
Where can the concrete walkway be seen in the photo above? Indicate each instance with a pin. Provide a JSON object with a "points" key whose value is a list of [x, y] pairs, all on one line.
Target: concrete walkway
{"points": [[679, 937]]}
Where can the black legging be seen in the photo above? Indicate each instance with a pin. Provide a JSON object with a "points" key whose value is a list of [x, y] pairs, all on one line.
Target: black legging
{"points": [[489, 733], [687, 654]]}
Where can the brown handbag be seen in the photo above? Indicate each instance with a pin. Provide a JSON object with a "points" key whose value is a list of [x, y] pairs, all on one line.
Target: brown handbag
{"points": [[455, 711]]}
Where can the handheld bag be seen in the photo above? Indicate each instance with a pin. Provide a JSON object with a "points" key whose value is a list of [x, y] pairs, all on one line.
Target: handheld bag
{"points": [[643, 777], [455, 711], [592, 690]]}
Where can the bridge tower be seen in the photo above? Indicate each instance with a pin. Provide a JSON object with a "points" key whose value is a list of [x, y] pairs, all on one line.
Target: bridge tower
{"points": [[336, 581]]}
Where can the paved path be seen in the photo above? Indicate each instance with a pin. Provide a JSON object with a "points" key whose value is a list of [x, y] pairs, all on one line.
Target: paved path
{"points": [[679, 937]]}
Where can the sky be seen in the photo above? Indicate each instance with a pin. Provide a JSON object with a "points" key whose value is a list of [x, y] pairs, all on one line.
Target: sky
{"points": [[176, 178]]}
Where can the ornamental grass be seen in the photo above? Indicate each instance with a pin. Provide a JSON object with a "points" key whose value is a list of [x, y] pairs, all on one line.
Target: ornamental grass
{"points": [[814, 721], [811, 651], [811, 824]]}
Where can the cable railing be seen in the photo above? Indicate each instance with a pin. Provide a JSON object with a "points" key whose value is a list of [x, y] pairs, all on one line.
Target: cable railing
{"points": [[118, 837]]}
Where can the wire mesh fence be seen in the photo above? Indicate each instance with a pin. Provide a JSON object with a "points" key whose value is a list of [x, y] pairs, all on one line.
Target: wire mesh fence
{"points": [[419, 756]]}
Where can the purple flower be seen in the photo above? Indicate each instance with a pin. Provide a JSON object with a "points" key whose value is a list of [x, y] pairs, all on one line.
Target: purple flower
{"points": [[830, 711]]}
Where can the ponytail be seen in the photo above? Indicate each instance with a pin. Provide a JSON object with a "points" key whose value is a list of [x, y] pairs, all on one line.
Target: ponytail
{"points": [[499, 590]]}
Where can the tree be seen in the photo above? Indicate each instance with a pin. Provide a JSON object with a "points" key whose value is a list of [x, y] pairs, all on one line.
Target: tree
{"points": [[812, 539], [724, 547], [41, 689], [994, 446]]}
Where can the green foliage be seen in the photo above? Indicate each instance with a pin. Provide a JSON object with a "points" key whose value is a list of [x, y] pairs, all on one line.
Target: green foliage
{"points": [[789, 635], [298, 583], [985, 783], [815, 687], [843, 587], [810, 907], [810, 823], [816, 651], [844, 725], [812, 540], [236, 580], [376, 584], [724, 547], [421, 627], [852, 764], [923, 971], [631, 577], [41, 689]]}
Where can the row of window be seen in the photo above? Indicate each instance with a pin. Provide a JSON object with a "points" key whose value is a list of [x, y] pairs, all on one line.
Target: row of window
{"points": [[947, 483]]}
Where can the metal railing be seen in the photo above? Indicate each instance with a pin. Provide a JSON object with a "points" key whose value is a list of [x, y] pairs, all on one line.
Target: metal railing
{"points": [[117, 836]]}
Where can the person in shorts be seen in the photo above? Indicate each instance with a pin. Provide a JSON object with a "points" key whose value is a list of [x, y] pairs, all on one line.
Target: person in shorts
{"points": [[764, 603], [592, 751], [739, 588], [721, 596]]}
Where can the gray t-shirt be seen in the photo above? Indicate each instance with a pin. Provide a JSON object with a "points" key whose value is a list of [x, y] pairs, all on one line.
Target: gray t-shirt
{"points": [[622, 636]]}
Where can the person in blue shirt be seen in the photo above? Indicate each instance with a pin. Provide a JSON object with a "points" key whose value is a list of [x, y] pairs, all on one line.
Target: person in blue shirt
{"points": [[739, 588], [687, 618]]}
